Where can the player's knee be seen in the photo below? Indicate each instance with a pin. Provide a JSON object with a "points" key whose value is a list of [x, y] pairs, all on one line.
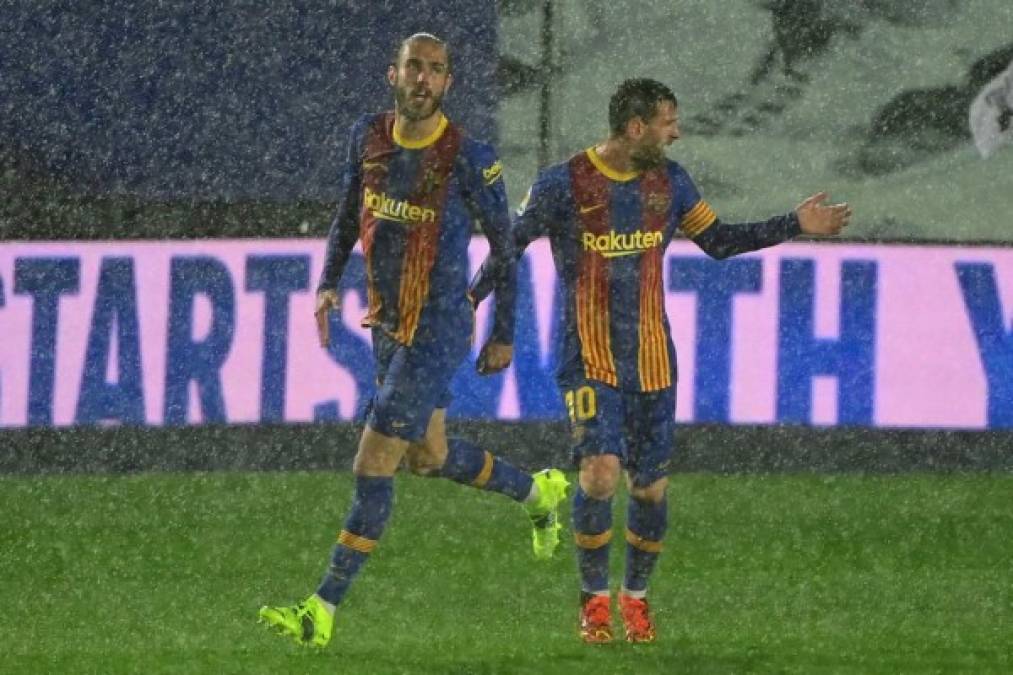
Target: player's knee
{"points": [[422, 461], [599, 476], [653, 493], [424, 470], [378, 455]]}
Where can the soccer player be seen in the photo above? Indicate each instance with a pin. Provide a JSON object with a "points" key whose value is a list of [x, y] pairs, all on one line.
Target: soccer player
{"points": [[609, 212], [413, 185]]}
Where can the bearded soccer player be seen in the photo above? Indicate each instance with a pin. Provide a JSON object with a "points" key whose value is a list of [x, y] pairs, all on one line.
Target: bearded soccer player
{"points": [[413, 186], [610, 212]]}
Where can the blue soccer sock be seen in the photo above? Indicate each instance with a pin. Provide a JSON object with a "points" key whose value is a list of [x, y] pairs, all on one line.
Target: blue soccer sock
{"points": [[646, 523], [371, 507], [468, 464], [592, 530]]}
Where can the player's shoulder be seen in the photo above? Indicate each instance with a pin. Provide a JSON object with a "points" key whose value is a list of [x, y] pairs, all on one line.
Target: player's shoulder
{"points": [[562, 171], [555, 173], [547, 185], [482, 157], [548, 188], [679, 177], [676, 170], [476, 150], [364, 122], [370, 118]]}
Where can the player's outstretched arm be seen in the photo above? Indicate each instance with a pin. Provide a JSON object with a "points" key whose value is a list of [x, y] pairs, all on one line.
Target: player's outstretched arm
{"points": [[820, 219]]}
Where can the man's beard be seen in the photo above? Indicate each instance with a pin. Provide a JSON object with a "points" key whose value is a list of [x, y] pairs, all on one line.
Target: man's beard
{"points": [[410, 109], [647, 157]]}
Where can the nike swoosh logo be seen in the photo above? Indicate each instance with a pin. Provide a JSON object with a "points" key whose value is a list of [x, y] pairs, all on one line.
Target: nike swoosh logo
{"points": [[367, 166], [589, 209]]}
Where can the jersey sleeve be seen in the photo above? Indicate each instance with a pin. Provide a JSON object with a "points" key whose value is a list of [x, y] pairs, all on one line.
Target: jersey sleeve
{"points": [[719, 239], [538, 211], [488, 200], [530, 222], [344, 230]]}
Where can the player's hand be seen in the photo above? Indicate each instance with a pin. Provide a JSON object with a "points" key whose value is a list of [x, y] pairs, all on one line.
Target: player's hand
{"points": [[494, 357], [821, 219], [328, 301]]}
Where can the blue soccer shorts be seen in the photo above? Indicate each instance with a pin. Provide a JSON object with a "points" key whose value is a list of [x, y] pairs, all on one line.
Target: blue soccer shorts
{"points": [[413, 381], [637, 427]]}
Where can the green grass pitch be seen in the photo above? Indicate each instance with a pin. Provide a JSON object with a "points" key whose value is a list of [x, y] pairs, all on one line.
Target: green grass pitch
{"points": [[766, 574]]}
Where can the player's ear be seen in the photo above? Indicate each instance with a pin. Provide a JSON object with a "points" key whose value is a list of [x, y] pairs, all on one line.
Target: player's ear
{"points": [[635, 128], [450, 81], [391, 74]]}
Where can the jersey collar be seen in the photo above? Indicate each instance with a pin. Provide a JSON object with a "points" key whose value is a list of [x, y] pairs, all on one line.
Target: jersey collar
{"points": [[423, 142], [599, 163]]}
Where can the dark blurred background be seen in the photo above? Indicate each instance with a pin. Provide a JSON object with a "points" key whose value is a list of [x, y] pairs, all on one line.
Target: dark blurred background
{"points": [[183, 119], [189, 110]]}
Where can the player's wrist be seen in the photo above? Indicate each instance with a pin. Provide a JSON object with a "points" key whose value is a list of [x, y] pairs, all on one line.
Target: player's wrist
{"points": [[794, 224], [502, 342]]}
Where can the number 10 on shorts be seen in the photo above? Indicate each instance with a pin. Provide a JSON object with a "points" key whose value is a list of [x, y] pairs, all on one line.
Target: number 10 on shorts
{"points": [[581, 404]]}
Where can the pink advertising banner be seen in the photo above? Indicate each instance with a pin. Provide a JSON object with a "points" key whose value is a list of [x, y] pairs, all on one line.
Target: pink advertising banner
{"points": [[176, 333]]}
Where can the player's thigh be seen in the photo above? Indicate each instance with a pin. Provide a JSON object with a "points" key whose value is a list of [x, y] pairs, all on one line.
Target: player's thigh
{"points": [[379, 454], [595, 412], [384, 350], [650, 436], [428, 455], [416, 383]]}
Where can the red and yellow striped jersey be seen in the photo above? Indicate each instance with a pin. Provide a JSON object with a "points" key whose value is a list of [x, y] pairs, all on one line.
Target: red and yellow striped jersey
{"points": [[413, 205], [608, 231]]}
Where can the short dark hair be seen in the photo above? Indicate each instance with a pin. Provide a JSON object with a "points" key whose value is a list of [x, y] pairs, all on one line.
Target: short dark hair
{"points": [[424, 37], [636, 97]]}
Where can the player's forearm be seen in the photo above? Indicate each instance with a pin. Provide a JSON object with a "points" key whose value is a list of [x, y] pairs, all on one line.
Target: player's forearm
{"points": [[340, 241], [487, 279], [492, 276], [506, 295], [503, 259], [483, 283], [723, 240], [344, 229], [499, 273]]}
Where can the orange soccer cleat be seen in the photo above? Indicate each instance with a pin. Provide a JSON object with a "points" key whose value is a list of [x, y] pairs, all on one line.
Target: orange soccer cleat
{"points": [[596, 619], [636, 619]]}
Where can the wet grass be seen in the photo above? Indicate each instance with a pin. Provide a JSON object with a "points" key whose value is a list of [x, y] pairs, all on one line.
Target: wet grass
{"points": [[796, 574]]}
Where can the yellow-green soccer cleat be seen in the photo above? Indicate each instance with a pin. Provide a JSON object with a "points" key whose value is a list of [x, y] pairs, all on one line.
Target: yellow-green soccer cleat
{"points": [[544, 513], [308, 623]]}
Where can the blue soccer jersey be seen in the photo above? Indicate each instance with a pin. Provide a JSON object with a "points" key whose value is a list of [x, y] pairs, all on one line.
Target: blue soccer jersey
{"points": [[413, 205], [608, 231]]}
